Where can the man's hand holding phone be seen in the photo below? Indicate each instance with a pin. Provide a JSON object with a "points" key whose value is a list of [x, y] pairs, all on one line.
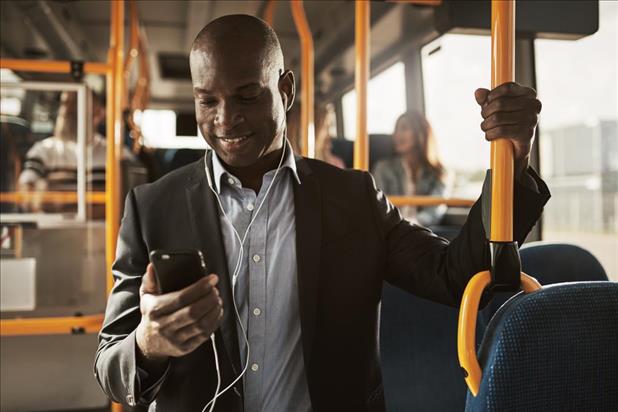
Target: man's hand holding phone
{"points": [[176, 323]]}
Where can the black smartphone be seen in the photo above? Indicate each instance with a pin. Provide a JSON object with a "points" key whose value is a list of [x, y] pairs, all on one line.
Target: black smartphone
{"points": [[177, 269]]}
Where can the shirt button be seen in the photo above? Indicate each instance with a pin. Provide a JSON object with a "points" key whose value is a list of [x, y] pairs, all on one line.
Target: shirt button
{"points": [[256, 258], [230, 180], [250, 207], [257, 312], [255, 367], [130, 400]]}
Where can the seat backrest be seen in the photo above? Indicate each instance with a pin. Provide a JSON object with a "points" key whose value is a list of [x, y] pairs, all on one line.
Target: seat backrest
{"points": [[418, 349], [550, 263], [343, 149], [555, 349], [418, 341], [381, 146]]}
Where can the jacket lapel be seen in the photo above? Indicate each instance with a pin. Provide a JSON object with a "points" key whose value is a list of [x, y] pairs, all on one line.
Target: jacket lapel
{"points": [[308, 210], [204, 213]]}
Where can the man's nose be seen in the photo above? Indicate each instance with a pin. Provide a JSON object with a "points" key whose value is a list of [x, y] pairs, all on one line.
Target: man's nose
{"points": [[228, 116]]}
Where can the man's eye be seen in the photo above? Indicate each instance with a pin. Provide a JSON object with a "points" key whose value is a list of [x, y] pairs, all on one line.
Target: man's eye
{"points": [[207, 102]]}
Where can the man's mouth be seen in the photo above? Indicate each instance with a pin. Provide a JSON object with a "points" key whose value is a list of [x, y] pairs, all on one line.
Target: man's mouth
{"points": [[234, 139]]}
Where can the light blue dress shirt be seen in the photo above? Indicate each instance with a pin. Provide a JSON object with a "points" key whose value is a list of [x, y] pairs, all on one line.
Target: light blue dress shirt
{"points": [[266, 290]]}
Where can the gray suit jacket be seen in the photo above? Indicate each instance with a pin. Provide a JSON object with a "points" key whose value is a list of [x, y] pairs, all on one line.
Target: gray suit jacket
{"points": [[349, 239]]}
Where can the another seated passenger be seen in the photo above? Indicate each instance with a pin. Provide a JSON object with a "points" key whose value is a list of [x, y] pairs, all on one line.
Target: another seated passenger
{"points": [[51, 164], [415, 169]]}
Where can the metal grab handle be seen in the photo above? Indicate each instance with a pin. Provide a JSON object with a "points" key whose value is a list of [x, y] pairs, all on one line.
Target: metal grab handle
{"points": [[466, 331]]}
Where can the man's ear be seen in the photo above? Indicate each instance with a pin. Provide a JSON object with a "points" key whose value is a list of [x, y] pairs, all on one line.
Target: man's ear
{"points": [[287, 89]]}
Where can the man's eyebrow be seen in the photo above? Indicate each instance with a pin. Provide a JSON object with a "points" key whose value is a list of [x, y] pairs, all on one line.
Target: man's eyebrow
{"points": [[248, 86], [199, 90]]}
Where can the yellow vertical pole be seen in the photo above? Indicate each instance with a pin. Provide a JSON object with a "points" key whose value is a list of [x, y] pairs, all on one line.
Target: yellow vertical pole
{"points": [[307, 126], [269, 12], [361, 78], [502, 71], [114, 81], [114, 134], [133, 52]]}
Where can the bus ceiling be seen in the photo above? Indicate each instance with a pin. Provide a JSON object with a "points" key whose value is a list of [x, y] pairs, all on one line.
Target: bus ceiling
{"points": [[398, 28]]}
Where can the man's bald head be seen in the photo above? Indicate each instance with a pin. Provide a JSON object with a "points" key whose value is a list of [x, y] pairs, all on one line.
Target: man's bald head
{"points": [[241, 90], [243, 33]]}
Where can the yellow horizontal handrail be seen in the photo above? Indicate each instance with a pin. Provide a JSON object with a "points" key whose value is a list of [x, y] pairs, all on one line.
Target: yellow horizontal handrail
{"points": [[52, 66], [51, 326], [50, 197], [429, 201], [466, 331]]}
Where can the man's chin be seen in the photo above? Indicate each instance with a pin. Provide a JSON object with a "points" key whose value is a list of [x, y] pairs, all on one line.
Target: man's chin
{"points": [[236, 160]]}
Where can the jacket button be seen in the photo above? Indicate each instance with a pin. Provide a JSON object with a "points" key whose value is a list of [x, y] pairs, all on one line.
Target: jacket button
{"points": [[130, 400]]}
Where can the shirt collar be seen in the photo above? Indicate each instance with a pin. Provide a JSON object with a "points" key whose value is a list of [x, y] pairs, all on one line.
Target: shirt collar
{"points": [[219, 171]]}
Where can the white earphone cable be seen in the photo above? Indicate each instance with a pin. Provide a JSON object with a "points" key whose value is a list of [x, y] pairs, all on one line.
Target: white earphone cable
{"points": [[235, 274]]}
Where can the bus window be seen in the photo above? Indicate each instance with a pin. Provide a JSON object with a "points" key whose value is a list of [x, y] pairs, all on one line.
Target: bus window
{"points": [[579, 138], [386, 101], [454, 66], [52, 200], [41, 166], [161, 127]]}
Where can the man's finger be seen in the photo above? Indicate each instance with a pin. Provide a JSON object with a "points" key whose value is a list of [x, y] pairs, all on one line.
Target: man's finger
{"points": [[510, 89], [511, 104], [149, 282], [194, 343], [500, 119], [171, 302], [193, 312], [481, 95], [206, 325]]}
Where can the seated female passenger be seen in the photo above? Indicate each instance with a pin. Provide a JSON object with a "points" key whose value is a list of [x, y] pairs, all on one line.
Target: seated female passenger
{"points": [[415, 169]]}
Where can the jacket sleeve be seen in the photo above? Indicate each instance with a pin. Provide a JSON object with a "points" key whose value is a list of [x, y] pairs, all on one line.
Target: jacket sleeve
{"points": [[115, 366], [427, 265]]}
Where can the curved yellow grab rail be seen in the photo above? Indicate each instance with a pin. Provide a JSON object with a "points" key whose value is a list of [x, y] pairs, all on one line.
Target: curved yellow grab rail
{"points": [[466, 332], [51, 326]]}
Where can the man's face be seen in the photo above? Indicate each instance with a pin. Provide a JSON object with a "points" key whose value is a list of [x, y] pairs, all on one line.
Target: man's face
{"points": [[239, 101]]}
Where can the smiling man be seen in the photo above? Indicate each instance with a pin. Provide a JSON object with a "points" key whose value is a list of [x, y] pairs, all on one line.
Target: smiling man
{"points": [[320, 242]]}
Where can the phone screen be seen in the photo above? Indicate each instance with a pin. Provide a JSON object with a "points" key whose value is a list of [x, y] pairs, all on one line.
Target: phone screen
{"points": [[177, 269]]}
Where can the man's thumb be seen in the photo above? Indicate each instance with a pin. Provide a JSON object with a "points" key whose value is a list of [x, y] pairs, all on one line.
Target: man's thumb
{"points": [[149, 282], [481, 95]]}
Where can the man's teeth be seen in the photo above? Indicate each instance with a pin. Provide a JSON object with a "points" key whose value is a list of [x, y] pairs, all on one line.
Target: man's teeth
{"points": [[234, 139]]}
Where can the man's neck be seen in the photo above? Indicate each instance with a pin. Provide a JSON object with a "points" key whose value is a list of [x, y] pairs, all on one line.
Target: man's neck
{"points": [[251, 176]]}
